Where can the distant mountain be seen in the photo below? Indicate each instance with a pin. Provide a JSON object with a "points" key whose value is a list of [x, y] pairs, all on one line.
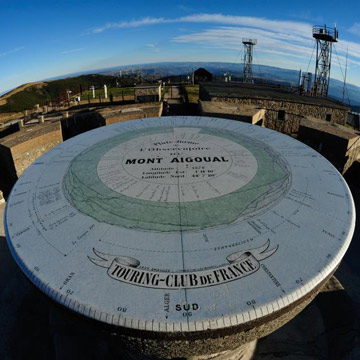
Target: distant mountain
{"points": [[270, 73], [218, 69]]}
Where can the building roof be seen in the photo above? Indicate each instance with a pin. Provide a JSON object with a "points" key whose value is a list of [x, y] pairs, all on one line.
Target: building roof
{"points": [[260, 91], [202, 71]]}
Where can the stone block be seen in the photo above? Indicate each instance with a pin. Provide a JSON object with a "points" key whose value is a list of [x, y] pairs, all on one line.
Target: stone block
{"points": [[19, 150]]}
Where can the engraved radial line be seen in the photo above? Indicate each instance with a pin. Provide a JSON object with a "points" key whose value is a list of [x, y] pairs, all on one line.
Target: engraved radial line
{"points": [[180, 221]]}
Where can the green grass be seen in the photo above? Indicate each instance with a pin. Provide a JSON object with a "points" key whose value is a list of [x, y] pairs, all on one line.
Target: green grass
{"points": [[193, 93], [116, 92], [55, 91]]}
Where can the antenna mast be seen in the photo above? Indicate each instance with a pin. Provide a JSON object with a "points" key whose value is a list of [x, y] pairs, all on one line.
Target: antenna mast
{"points": [[324, 37], [248, 57]]}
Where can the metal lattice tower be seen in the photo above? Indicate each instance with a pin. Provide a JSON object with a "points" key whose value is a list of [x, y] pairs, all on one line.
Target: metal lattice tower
{"points": [[248, 56], [324, 37]]}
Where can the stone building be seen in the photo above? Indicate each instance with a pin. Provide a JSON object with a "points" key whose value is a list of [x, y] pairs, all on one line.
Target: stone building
{"points": [[202, 75], [284, 109], [318, 122]]}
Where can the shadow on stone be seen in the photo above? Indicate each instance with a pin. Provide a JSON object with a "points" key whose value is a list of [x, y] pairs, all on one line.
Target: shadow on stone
{"points": [[338, 313], [23, 313], [326, 329]]}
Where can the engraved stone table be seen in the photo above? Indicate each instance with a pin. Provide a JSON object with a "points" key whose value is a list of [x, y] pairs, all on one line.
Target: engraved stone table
{"points": [[188, 235]]}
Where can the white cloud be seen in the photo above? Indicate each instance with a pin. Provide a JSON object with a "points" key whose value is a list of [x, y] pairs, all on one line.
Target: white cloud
{"points": [[129, 24], [288, 43], [355, 29], [231, 38], [184, 8], [283, 39], [71, 51], [12, 51], [302, 29]]}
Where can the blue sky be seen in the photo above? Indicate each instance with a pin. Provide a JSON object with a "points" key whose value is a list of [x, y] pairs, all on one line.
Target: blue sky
{"points": [[42, 39]]}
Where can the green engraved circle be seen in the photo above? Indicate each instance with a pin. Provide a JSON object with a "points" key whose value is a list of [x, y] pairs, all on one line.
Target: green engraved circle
{"points": [[85, 190]]}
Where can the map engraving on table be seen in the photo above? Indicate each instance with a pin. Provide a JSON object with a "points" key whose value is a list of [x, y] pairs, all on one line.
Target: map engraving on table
{"points": [[187, 178], [126, 269], [163, 224]]}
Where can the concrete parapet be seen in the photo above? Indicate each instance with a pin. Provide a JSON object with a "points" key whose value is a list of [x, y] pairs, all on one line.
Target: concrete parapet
{"points": [[88, 120], [19, 150], [130, 112], [147, 93], [340, 145], [245, 113]]}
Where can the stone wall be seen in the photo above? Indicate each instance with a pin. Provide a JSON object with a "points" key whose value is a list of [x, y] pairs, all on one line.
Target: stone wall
{"points": [[352, 153], [147, 91], [339, 146], [80, 123], [19, 150], [223, 110], [289, 125], [353, 120], [88, 120], [147, 94], [338, 114], [6, 130], [131, 112]]}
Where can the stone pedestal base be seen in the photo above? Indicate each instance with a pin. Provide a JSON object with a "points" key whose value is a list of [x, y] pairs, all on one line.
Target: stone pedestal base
{"points": [[243, 352]]}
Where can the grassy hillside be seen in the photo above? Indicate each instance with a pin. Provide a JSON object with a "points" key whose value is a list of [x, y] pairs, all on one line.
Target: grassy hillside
{"points": [[55, 91]]}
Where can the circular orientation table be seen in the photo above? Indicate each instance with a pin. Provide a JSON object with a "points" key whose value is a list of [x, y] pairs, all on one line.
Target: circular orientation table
{"points": [[188, 235]]}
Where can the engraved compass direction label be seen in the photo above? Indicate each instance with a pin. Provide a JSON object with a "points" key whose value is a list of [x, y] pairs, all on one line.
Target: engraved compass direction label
{"points": [[179, 224]]}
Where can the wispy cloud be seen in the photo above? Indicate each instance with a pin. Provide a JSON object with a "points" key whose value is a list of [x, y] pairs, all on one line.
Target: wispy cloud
{"points": [[282, 37], [12, 51], [129, 24], [262, 23], [355, 29], [153, 47], [184, 8], [309, 16], [285, 44], [274, 39], [72, 51]]}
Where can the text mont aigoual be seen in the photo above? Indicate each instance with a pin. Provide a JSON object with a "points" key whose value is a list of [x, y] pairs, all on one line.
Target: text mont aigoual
{"points": [[177, 160]]}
